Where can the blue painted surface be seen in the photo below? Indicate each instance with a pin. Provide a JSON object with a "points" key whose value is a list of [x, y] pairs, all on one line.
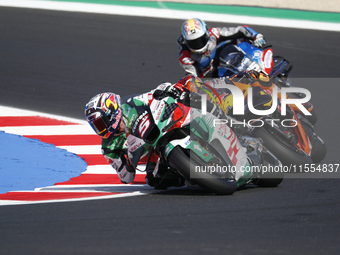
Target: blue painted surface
{"points": [[26, 164]]}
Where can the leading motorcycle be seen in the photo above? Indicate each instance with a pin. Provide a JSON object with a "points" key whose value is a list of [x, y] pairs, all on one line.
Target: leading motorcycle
{"points": [[198, 148]]}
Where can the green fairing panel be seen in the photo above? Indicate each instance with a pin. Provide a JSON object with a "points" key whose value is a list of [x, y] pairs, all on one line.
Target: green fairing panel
{"points": [[199, 128]]}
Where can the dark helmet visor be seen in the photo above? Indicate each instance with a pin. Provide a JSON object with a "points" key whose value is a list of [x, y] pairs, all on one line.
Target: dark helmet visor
{"points": [[198, 43], [100, 124]]}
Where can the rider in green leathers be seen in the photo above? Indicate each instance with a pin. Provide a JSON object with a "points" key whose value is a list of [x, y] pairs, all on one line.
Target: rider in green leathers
{"points": [[122, 125]]}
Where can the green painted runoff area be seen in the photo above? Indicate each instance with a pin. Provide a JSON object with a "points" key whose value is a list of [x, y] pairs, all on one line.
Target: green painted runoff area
{"points": [[226, 9]]}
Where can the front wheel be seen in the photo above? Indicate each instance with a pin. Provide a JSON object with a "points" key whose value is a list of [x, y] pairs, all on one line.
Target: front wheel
{"points": [[319, 149], [312, 118], [184, 163], [282, 149]]}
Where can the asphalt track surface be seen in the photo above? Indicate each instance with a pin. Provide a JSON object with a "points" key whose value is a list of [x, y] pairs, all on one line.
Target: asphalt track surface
{"points": [[56, 61]]}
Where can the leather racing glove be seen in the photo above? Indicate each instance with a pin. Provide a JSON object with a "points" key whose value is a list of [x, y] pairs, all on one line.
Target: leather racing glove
{"points": [[259, 41]]}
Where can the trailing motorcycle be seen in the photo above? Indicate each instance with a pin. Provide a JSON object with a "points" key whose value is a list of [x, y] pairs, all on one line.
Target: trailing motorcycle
{"points": [[234, 59], [187, 141], [290, 137]]}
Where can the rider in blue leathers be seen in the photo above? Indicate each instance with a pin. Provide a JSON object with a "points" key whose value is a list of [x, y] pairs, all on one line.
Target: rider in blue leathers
{"points": [[199, 46]]}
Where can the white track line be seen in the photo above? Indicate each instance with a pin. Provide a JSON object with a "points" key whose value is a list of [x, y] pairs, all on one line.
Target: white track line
{"points": [[169, 14]]}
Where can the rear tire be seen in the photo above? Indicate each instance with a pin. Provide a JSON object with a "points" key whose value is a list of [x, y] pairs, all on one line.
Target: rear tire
{"points": [[266, 180], [180, 159], [272, 178]]}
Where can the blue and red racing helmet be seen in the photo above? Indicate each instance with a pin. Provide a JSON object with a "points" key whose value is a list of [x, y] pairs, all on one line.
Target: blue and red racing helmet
{"points": [[104, 114], [196, 35]]}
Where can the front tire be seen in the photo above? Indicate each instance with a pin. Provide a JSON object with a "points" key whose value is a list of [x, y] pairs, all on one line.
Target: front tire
{"points": [[268, 180], [312, 118], [285, 154], [319, 149], [180, 159]]}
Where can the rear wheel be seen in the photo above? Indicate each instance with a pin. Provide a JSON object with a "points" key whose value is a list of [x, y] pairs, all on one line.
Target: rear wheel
{"points": [[270, 178], [268, 181], [186, 163]]}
